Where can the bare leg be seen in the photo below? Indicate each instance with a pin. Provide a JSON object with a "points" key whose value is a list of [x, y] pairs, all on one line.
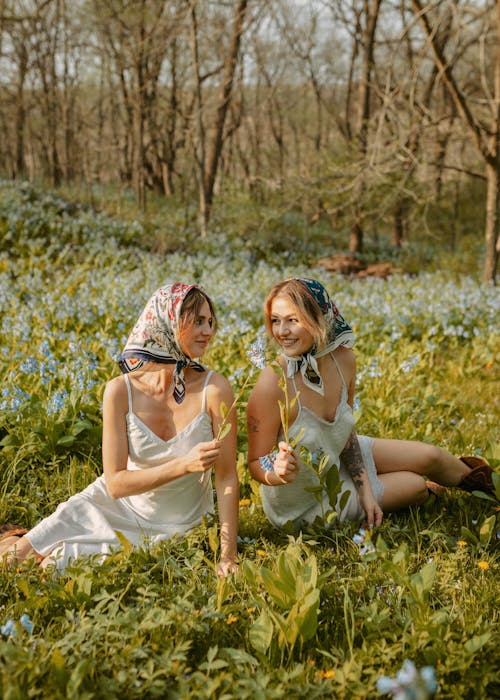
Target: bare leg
{"points": [[420, 458], [402, 489]]}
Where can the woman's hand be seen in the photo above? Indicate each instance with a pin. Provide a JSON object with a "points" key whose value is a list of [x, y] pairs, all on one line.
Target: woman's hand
{"points": [[374, 513], [203, 456], [286, 463], [225, 567]]}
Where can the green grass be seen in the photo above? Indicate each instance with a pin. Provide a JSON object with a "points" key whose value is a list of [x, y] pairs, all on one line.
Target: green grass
{"points": [[305, 616]]}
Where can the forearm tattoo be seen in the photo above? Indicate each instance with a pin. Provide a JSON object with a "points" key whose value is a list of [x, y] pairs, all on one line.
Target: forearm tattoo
{"points": [[352, 460]]}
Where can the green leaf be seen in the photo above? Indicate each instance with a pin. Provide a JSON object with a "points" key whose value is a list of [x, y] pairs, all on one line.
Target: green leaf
{"points": [[261, 632], [223, 431], [66, 440], [486, 530], [124, 541], [474, 644], [307, 617], [280, 590]]}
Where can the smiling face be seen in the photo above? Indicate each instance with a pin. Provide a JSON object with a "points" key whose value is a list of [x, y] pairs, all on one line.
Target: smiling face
{"points": [[287, 328], [197, 332]]}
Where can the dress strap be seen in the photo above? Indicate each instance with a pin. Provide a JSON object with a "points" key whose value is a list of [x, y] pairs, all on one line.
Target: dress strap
{"points": [[129, 392], [203, 396], [344, 385]]}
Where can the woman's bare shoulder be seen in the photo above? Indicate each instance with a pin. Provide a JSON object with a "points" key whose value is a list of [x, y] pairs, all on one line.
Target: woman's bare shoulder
{"points": [[346, 359], [115, 389]]}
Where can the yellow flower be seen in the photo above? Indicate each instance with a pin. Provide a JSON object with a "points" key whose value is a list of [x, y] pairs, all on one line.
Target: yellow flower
{"points": [[483, 565], [261, 552], [327, 674], [245, 502], [231, 619], [462, 543], [250, 610]]}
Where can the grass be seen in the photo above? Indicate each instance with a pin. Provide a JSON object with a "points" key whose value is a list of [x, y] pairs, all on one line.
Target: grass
{"points": [[307, 615]]}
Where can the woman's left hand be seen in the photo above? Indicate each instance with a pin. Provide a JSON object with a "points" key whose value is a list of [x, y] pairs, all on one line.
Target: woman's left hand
{"points": [[225, 567], [374, 513]]}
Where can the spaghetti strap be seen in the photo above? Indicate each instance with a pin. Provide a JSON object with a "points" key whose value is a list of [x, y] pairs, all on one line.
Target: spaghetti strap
{"points": [[129, 392], [203, 396], [344, 385]]}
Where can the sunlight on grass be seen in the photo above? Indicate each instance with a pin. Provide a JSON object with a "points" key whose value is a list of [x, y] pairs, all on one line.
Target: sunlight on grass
{"points": [[318, 615]]}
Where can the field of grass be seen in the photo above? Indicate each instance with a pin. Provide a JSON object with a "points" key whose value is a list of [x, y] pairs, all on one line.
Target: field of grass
{"points": [[310, 615]]}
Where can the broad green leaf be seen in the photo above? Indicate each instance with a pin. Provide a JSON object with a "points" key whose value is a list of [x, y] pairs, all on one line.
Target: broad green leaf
{"points": [[280, 591], [474, 644], [261, 632], [486, 530]]}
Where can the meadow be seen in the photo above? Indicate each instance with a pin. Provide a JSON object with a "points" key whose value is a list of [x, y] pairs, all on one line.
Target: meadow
{"points": [[316, 614]]}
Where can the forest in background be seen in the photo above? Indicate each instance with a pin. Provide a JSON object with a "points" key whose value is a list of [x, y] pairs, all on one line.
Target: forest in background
{"points": [[369, 117]]}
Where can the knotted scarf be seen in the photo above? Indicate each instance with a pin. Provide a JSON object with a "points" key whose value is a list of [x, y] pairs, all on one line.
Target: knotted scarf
{"points": [[339, 332], [154, 336]]}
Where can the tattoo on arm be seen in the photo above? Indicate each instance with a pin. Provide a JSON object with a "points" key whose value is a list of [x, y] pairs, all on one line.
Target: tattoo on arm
{"points": [[253, 424], [352, 460]]}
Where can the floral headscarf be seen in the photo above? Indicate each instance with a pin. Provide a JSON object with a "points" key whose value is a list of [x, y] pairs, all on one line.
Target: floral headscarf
{"points": [[154, 336], [339, 332]]}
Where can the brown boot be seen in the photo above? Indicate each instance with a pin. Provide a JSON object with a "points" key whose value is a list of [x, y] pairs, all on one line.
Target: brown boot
{"points": [[480, 476]]}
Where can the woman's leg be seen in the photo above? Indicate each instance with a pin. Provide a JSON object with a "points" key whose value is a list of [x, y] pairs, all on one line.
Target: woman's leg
{"points": [[14, 550], [402, 489], [420, 458]]}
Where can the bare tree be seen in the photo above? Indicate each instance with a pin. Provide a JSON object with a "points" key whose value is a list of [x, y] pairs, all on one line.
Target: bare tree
{"points": [[210, 140], [485, 134]]}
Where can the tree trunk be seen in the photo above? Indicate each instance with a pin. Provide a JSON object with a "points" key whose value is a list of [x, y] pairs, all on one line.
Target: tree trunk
{"points": [[371, 11], [486, 137], [492, 222], [215, 148]]}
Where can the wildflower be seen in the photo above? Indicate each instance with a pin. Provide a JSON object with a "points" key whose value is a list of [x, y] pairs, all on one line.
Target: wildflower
{"points": [[26, 623], [9, 629], [462, 543], [231, 619], [410, 363], [257, 354], [245, 502], [483, 565], [363, 540], [261, 552], [325, 675], [250, 610], [409, 683]]}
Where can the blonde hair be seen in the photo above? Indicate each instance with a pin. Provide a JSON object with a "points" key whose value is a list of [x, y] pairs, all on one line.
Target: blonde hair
{"points": [[308, 310]]}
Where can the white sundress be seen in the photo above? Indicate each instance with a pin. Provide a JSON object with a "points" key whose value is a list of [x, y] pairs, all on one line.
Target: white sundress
{"points": [[291, 502], [87, 522]]}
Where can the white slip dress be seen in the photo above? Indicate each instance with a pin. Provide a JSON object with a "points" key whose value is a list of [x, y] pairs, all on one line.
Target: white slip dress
{"points": [[292, 502], [87, 522]]}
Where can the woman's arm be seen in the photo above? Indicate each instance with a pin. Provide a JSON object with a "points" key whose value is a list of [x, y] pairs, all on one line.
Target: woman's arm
{"points": [[226, 477], [263, 425], [351, 457], [119, 481]]}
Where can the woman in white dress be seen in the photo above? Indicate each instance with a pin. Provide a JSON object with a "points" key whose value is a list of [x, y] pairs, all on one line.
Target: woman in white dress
{"points": [[319, 368], [160, 422]]}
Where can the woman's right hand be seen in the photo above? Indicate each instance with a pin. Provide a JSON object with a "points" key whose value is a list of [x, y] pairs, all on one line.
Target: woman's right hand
{"points": [[286, 463], [203, 456]]}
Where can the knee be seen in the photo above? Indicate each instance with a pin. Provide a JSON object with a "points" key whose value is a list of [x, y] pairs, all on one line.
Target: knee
{"points": [[421, 493], [432, 455]]}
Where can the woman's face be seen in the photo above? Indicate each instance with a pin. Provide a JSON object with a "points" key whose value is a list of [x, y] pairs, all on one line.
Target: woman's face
{"points": [[287, 329], [196, 336]]}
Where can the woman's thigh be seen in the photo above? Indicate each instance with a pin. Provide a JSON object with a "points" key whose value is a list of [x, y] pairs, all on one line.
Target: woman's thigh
{"points": [[403, 455]]}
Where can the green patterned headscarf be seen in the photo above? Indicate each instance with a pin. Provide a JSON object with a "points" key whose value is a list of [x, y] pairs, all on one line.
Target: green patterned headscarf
{"points": [[339, 332]]}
